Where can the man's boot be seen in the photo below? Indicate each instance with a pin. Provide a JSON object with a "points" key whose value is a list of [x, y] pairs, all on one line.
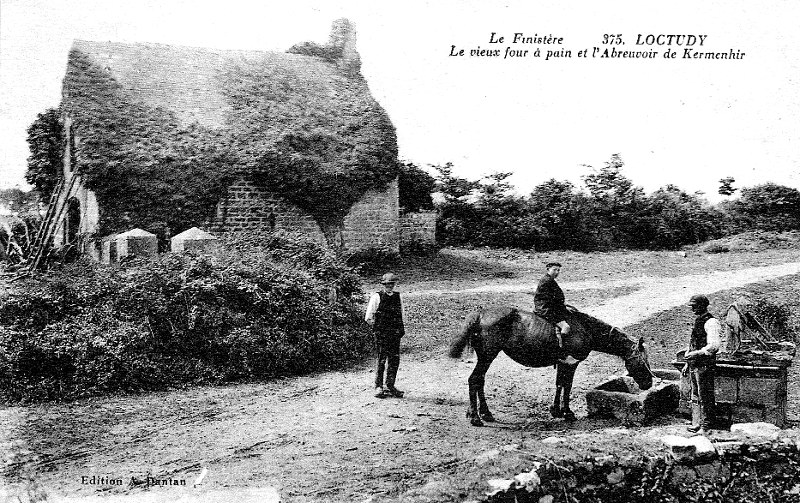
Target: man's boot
{"points": [[391, 375]]}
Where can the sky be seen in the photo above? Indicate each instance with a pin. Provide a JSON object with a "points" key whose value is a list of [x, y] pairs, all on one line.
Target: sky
{"points": [[687, 122]]}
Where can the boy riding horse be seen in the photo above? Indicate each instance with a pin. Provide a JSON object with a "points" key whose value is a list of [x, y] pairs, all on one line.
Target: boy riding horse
{"points": [[548, 302]]}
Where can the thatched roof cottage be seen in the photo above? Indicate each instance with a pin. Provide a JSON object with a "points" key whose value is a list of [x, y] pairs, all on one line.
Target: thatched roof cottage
{"points": [[165, 138]]}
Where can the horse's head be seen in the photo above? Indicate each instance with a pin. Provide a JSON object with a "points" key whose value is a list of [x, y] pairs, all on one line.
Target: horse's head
{"points": [[611, 340], [638, 366]]}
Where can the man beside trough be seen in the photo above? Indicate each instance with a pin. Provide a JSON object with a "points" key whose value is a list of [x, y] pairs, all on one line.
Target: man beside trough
{"points": [[701, 358]]}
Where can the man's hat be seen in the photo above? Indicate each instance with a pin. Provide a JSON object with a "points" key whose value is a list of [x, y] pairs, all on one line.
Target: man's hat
{"points": [[552, 264], [700, 300], [389, 278]]}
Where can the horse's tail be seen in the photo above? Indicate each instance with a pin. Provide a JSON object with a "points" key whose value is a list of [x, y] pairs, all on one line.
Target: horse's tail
{"points": [[472, 325]]}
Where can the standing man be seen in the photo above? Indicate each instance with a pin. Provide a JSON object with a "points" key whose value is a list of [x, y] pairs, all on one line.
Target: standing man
{"points": [[700, 361], [385, 315], [548, 302]]}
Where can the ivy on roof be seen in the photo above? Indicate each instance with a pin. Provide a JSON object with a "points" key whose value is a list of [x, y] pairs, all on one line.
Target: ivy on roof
{"points": [[302, 127]]}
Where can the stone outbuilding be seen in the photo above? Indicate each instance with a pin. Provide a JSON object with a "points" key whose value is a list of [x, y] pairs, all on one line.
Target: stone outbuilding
{"points": [[194, 239]]}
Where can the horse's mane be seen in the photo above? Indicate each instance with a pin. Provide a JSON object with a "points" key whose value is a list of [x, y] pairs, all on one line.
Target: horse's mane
{"points": [[588, 323], [594, 324]]}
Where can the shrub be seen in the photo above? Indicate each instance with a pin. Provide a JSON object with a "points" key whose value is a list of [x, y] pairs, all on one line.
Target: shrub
{"points": [[373, 261], [774, 316], [415, 187], [716, 248], [263, 306]]}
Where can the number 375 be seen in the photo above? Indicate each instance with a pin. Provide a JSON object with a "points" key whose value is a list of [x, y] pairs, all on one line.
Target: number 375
{"points": [[612, 39]]}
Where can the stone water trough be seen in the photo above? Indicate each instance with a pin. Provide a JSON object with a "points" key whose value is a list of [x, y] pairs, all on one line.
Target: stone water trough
{"points": [[619, 397]]}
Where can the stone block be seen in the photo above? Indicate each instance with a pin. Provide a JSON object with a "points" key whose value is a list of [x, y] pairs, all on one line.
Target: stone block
{"points": [[775, 415], [704, 448], [136, 242], [681, 448], [621, 398], [758, 391], [194, 240], [745, 414], [667, 374], [726, 389], [689, 448], [756, 429]]}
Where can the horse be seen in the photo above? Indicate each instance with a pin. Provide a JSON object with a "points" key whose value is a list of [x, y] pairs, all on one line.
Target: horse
{"points": [[529, 340]]}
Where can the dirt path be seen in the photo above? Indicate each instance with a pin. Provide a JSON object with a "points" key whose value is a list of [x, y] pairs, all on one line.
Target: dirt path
{"points": [[324, 437]]}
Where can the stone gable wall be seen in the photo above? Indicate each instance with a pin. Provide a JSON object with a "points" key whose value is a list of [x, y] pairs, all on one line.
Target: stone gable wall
{"points": [[373, 222], [248, 206]]}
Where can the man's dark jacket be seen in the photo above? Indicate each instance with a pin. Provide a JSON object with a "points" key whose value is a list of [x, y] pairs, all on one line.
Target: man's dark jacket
{"points": [[699, 339], [389, 316], [548, 301]]}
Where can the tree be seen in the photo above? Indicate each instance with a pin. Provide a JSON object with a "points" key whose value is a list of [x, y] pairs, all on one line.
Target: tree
{"points": [[19, 202], [679, 219], [416, 187], [46, 143], [619, 206], [453, 188], [561, 217], [608, 181], [726, 186], [768, 207], [481, 212]]}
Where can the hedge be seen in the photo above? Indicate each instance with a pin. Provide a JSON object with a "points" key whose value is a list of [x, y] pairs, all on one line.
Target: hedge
{"points": [[264, 306]]}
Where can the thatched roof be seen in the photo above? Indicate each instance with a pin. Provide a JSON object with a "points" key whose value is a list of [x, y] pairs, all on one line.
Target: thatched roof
{"points": [[261, 92], [190, 81]]}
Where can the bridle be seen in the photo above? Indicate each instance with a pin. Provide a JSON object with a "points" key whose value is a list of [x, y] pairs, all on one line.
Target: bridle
{"points": [[634, 354]]}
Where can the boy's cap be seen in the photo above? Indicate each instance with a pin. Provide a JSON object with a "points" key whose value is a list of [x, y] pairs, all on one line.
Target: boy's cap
{"points": [[552, 264], [699, 300], [389, 278]]}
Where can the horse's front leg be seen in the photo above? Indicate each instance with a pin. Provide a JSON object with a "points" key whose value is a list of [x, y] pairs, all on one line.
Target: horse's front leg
{"points": [[564, 378], [478, 409]]}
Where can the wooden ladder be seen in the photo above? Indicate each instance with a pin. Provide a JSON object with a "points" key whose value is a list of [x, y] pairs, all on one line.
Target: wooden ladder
{"points": [[47, 229]]}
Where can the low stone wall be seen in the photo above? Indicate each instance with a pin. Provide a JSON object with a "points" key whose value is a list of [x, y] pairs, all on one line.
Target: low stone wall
{"points": [[418, 230], [756, 464]]}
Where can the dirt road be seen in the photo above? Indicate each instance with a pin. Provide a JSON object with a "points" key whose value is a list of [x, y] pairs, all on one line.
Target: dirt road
{"points": [[324, 437]]}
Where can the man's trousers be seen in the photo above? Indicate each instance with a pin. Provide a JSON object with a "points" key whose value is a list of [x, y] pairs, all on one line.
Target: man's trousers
{"points": [[702, 379], [388, 345]]}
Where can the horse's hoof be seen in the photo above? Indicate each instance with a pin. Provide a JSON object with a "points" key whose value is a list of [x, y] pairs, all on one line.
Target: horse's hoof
{"points": [[556, 412], [487, 416], [570, 416], [476, 422]]}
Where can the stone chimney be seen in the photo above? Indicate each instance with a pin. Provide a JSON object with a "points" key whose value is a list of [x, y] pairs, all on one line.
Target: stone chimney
{"points": [[343, 38]]}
